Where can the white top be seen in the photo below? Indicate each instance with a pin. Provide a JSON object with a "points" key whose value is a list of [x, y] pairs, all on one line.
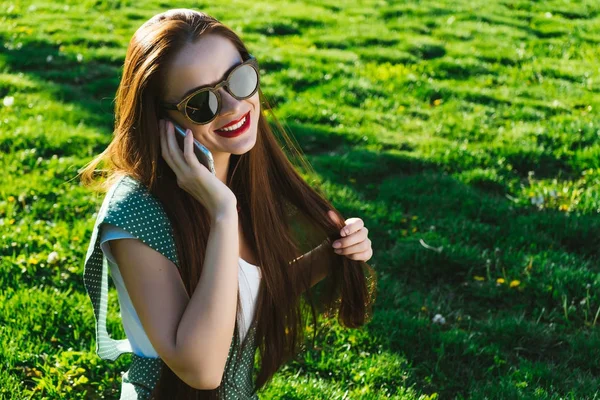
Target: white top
{"points": [[248, 281]]}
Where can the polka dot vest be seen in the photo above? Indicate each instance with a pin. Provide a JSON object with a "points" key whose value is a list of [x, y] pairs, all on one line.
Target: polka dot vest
{"points": [[129, 205]]}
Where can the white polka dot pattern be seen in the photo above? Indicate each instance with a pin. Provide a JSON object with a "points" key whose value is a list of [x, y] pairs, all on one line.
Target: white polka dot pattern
{"points": [[130, 206]]}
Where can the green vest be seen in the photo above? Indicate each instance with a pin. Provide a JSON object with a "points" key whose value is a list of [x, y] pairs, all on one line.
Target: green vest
{"points": [[129, 205]]}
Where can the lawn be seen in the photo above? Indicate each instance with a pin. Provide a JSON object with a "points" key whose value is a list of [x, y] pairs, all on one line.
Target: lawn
{"points": [[465, 133]]}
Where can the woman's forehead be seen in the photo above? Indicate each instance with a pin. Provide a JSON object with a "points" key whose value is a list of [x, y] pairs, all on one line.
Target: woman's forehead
{"points": [[200, 63]]}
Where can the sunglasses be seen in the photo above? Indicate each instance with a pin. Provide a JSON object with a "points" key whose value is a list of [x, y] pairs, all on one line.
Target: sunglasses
{"points": [[204, 103]]}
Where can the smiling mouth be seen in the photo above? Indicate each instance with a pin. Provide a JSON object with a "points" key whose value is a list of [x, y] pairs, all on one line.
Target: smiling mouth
{"points": [[232, 126], [240, 127]]}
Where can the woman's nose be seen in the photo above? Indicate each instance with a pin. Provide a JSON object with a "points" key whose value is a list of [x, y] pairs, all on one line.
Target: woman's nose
{"points": [[229, 104]]}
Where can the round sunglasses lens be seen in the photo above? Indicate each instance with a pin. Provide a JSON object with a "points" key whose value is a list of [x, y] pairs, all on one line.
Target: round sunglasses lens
{"points": [[202, 107], [243, 81]]}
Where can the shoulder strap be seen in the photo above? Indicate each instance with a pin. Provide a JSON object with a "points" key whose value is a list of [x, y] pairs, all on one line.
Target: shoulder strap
{"points": [[130, 206]]}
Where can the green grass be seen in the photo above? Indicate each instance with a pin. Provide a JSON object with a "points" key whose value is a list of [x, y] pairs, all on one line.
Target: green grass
{"points": [[465, 134]]}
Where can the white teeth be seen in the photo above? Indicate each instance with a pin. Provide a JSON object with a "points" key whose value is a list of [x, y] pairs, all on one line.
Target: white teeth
{"points": [[234, 127]]}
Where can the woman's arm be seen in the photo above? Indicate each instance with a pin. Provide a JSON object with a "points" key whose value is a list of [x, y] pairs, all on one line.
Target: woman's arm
{"points": [[191, 335]]}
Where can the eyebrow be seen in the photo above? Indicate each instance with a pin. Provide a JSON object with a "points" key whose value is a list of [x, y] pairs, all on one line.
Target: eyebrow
{"points": [[192, 90]]}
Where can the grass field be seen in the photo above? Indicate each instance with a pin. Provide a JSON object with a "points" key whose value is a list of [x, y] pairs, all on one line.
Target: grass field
{"points": [[465, 133]]}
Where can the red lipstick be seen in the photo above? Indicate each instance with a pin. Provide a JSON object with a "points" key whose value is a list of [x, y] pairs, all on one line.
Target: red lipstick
{"points": [[238, 131]]}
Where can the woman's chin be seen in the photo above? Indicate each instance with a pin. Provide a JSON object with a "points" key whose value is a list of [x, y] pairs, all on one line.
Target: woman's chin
{"points": [[244, 150], [245, 146]]}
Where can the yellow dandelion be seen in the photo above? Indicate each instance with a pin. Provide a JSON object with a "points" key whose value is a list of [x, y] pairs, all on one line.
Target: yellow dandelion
{"points": [[479, 278], [500, 281], [414, 229], [424, 309], [563, 207], [11, 199], [437, 102], [515, 283], [11, 221]]}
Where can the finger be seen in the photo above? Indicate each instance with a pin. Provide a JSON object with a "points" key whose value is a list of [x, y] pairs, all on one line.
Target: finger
{"points": [[166, 153], [337, 219], [188, 148], [354, 238], [164, 148], [355, 248], [334, 217], [362, 256], [174, 150], [352, 225]]}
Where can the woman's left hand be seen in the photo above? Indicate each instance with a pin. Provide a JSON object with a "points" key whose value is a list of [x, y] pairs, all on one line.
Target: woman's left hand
{"points": [[354, 243]]}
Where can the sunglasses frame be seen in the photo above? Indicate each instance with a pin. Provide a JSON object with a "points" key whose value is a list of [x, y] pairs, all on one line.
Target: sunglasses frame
{"points": [[182, 105]]}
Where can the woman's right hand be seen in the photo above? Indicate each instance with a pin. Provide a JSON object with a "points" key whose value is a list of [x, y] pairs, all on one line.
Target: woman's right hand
{"points": [[192, 176]]}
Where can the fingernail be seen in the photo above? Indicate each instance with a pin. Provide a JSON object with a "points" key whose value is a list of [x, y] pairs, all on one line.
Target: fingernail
{"points": [[336, 244], [338, 251]]}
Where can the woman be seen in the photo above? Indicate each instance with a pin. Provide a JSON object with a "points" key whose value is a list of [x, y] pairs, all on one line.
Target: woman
{"points": [[183, 239]]}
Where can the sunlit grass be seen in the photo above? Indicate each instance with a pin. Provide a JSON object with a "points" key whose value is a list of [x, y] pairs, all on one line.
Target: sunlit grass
{"points": [[464, 133]]}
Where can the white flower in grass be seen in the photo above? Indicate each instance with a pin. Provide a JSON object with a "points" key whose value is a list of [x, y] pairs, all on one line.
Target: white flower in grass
{"points": [[52, 258], [537, 200], [49, 58], [438, 319], [8, 101]]}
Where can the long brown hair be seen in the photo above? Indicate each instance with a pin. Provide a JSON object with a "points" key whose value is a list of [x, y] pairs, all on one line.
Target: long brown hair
{"points": [[267, 186]]}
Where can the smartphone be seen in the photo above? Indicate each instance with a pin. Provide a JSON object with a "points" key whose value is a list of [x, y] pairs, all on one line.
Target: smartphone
{"points": [[203, 155]]}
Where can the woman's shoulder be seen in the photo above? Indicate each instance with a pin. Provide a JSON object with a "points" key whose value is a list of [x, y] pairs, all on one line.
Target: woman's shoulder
{"points": [[127, 187], [131, 207], [131, 197], [127, 194]]}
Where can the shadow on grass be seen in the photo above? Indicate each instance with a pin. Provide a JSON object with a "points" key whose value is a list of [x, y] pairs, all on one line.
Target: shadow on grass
{"points": [[472, 226], [89, 84]]}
